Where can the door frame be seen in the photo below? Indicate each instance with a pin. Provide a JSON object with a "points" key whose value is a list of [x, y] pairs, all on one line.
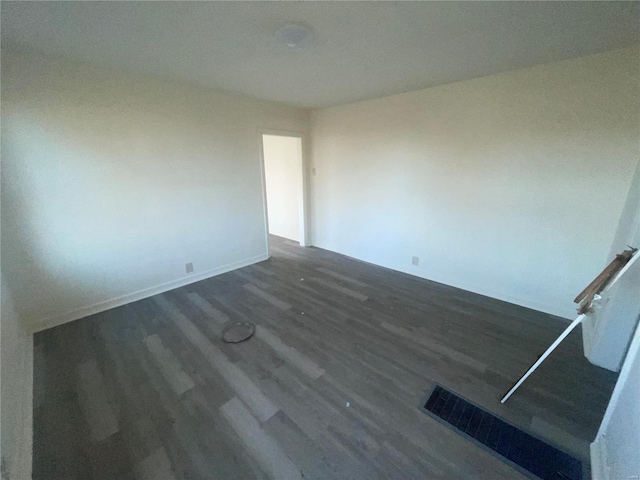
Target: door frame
{"points": [[303, 210]]}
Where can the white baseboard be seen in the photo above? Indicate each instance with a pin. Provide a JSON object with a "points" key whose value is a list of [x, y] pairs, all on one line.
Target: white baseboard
{"points": [[599, 470], [82, 312], [565, 314]]}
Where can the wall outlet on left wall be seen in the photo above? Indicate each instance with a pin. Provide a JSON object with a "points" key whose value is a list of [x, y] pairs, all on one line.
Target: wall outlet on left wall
{"points": [[189, 267]]}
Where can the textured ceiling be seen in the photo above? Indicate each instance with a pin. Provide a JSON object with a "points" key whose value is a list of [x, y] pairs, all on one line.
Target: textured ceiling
{"points": [[359, 50]]}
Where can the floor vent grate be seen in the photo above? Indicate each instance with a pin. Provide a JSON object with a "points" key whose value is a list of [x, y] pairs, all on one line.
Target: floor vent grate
{"points": [[526, 453]]}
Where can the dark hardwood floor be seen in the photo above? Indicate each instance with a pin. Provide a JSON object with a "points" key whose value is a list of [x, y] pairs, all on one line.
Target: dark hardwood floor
{"points": [[328, 387]]}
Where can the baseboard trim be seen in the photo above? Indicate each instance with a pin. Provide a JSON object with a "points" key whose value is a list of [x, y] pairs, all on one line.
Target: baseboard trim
{"points": [[565, 316], [55, 320], [599, 469]]}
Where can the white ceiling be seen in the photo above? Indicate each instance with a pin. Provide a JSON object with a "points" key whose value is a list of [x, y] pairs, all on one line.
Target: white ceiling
{"points": [[359, 50]]}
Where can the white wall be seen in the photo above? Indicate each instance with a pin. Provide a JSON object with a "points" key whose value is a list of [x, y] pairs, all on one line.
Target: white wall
{"points": [[283, 178], [614, 452], [510, 185], [607, 332], [16, 392], [628, 232], [113, 182]]}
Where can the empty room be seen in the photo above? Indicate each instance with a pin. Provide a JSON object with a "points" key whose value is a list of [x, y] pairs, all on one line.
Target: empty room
{"points": [[320, 240]]}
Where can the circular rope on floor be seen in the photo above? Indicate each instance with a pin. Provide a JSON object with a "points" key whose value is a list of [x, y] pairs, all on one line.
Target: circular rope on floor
{"points": [[238, 332]]}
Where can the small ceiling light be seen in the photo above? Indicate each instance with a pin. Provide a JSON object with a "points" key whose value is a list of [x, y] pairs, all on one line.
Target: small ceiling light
{"points": [[294, 36]]}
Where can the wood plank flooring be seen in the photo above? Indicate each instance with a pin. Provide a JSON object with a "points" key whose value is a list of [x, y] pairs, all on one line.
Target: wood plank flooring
{"points": [[327, 388]]}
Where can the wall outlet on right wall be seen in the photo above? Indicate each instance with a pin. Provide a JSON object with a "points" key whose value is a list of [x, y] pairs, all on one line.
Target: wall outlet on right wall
{"points": [[188, 267], [415, 261]]}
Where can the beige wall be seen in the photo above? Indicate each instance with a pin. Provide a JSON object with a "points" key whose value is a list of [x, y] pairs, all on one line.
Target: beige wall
{"points": [[113, 182], [283, 178], [510, 185]]}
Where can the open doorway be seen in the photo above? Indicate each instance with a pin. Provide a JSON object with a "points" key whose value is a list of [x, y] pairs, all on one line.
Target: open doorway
{"points": [[284, 188]]}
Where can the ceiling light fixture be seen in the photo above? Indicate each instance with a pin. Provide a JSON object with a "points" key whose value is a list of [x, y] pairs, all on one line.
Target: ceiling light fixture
{"points": [[294, 36]]}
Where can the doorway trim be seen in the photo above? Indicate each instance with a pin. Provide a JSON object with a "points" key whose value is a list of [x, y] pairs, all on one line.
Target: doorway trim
{"points": [[303, 212]]}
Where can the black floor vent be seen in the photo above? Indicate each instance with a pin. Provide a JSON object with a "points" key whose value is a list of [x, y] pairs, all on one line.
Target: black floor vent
{"points": [[528, 454]]}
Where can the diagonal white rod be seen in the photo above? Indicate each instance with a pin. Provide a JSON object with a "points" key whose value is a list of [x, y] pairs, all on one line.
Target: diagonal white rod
{"points": [[579, 319]]}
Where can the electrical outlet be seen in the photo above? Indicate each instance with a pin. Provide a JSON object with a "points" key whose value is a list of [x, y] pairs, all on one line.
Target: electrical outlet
{"points": [[313, 171], [189, 267], [415, 261]]}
